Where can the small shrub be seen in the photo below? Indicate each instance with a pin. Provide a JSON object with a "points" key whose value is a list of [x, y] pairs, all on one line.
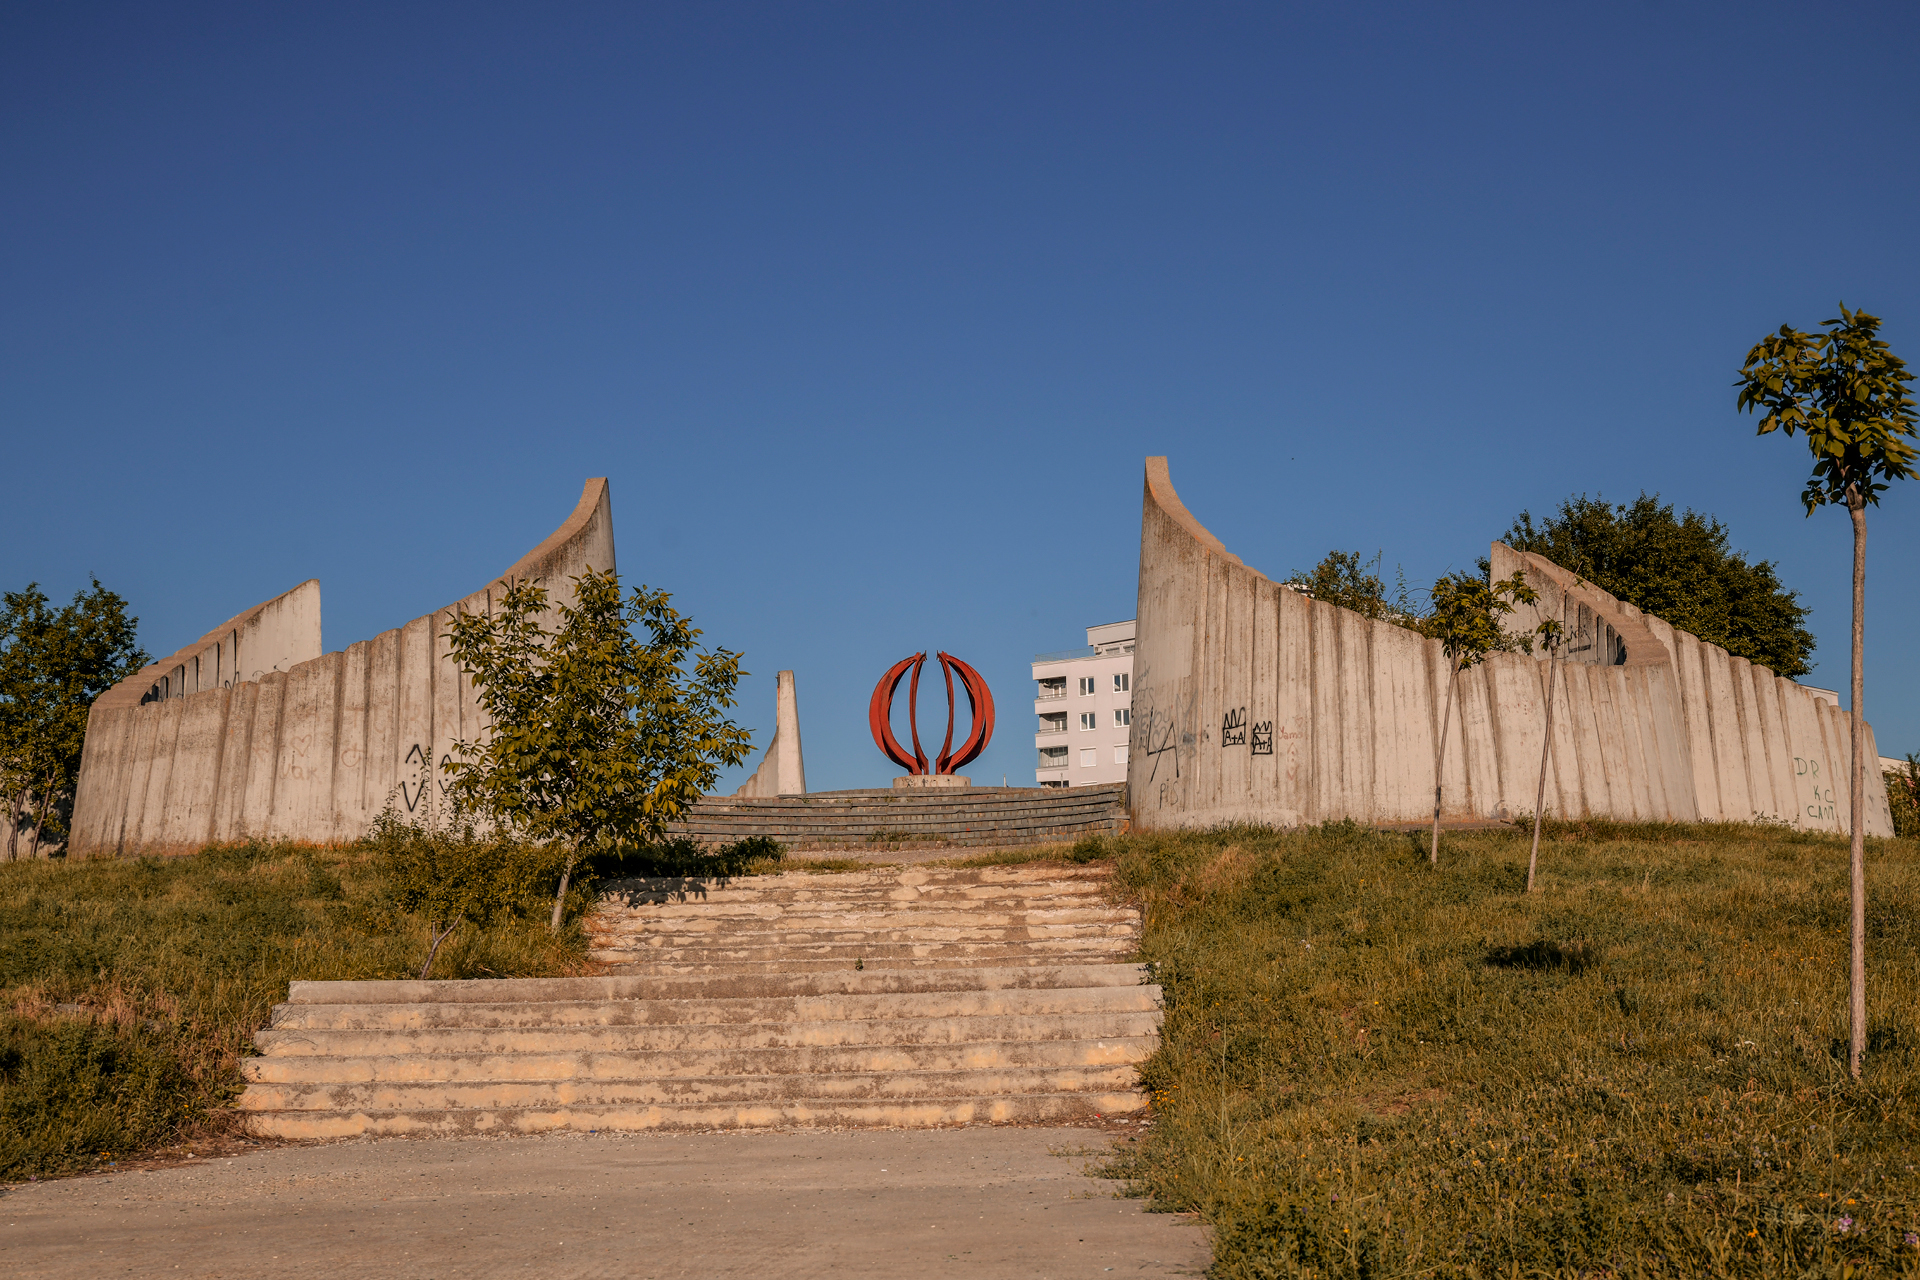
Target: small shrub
{"points": [[74, 1092]]}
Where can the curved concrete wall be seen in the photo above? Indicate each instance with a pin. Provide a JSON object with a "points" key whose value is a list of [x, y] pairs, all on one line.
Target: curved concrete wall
{"points": [[310, 747], [1254, 703]]}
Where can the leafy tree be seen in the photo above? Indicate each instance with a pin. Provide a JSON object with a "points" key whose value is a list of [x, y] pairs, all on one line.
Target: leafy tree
{"points": [[1847, 391], [1679, 568], [599, 739], [1343, 578], [53, 664], [1465, 619]]}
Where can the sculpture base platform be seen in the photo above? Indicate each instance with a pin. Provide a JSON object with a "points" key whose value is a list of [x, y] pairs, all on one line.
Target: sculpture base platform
{"points": [[931, 781]]}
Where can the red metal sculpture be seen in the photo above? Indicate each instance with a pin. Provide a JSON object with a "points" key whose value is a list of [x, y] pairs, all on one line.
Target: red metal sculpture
{"points": [[979, 702]]}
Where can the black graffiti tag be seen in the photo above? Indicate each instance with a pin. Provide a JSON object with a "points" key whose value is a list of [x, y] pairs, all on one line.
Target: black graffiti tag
{"points": [[1233, 728]]}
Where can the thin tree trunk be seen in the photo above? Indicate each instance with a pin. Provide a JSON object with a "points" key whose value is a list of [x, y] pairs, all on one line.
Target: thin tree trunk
{"points": [[1546, 761], [1440, 760], [560, 895], [1857, 854], [16, 803], [434, 950], [33, 850]]}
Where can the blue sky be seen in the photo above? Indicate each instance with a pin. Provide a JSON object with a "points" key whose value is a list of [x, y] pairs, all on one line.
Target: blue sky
{"points": [[871, 312]]}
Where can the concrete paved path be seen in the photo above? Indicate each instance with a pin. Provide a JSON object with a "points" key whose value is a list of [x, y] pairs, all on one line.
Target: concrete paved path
{"points": [[976, 1202]]}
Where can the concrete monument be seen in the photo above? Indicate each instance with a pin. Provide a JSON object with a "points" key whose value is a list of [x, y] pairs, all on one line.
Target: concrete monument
{"points": [[1255, 703], [251, 731]]}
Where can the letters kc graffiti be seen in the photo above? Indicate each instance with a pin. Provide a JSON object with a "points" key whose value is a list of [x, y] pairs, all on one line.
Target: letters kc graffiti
{"points": [[880, 716]]}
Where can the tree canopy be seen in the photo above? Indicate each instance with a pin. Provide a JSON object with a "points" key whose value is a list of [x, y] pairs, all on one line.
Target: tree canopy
{"points": [[1681, 568], [599, 739], [53, 664]]}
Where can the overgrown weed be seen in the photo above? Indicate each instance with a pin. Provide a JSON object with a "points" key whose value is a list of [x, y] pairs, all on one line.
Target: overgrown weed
{"points": [[1372, 1068], [130, 990]]}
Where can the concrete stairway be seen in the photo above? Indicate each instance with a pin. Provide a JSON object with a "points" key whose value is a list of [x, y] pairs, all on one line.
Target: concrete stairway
{"points": [[995, 817], [886, 997]]}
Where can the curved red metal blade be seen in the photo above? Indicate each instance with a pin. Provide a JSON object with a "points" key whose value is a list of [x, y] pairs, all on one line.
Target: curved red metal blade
{"points": [[880, 714], [980, 702]]}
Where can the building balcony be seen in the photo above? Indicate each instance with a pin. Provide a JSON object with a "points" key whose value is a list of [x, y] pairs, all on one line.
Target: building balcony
{"points": [[1050, 695]]}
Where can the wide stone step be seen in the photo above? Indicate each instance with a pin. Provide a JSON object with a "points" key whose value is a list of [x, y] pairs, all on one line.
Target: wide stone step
{"points": [[638, 962], [973, 1055], [707, 1037], [811, 916], [863, 887], [691, 987], [1032, 1108], [984, 951], [733, 1009], [436, 1095], [797, 940]]}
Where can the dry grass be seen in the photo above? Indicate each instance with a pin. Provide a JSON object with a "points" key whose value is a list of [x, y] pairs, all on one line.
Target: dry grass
{"points": [[1372, 1068], [131, 989]]}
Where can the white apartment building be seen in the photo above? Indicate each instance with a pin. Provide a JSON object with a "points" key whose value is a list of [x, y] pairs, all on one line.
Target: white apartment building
{"points": [[1084, 699]]}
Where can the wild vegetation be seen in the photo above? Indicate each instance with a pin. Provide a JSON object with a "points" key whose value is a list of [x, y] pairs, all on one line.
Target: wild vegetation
{"points": [[1372, 1067], [132, 988]]}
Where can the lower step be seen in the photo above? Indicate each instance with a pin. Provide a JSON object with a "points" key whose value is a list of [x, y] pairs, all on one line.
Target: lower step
{"points": [[810, 1089], [919, 1113]]}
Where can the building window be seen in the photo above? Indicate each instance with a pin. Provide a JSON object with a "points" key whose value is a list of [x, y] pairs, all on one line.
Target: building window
{"points": [[1055, 723], [1053, 757], [1122, 716], [1121, 682], [1052, 687], [1086, 685], [1119, 755], [1089, 758], [1089, 719]]}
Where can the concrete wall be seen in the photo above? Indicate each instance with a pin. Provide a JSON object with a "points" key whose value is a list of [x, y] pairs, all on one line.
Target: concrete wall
{"points": [[782, 771], [1254, 703], [304, 745]]}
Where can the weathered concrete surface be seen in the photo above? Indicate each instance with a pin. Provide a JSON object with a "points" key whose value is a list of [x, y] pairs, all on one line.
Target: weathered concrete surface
{"points": [[898, 998], [978, 1202], [1252, 702], [303, 745], [783, 772], [859, 821]]}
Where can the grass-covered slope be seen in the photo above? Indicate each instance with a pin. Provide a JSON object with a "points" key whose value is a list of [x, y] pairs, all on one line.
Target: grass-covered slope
{"points": [[1375, 1068], [130, 990]]}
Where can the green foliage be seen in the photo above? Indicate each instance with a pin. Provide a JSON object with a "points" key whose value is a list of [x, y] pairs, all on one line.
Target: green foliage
{"points": [[53, 664], [72, 1091], [1466, 613], [1369, 1070], [1342, 578], [1903, 797], [598, 739], [1679, 568], [460, 876], [118, 968], [1848, 392]]}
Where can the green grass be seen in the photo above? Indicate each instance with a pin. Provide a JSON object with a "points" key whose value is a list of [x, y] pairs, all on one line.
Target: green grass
{"points": [[1374, 1068], [132, 989]]}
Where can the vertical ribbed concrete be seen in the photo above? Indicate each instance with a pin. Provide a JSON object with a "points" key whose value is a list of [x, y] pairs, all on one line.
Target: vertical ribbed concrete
{"points": [[899, 998], [1650, 723], [288, 742]]}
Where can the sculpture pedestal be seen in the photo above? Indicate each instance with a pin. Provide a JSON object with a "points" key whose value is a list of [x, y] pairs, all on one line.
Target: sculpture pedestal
{"points": [[931, 781]]}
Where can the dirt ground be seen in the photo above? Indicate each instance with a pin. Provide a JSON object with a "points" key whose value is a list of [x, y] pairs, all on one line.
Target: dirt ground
{"points": [[975, 1202]]}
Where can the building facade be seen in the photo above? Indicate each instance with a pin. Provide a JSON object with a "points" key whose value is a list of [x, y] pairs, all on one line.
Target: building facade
{"points": [[1084, 701]]}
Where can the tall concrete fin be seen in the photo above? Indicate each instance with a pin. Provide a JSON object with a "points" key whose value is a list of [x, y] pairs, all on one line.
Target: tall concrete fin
{"points": [[252, 731], [782, 771], [1252, 703]]}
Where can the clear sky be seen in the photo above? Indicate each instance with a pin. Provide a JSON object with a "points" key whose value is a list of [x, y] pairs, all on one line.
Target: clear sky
{"points": [[871, 311]]}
